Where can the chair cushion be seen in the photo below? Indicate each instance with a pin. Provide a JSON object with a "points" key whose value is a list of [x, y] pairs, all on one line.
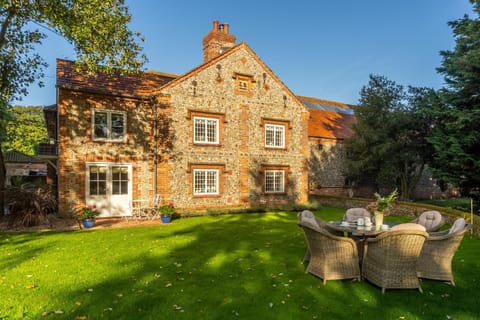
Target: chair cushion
{"points": [[458, 225], [352, 214], [431, 220], [308, 218], [408, 226]]}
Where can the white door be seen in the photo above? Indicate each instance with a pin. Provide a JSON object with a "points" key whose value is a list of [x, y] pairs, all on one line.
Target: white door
{"points": [[108, 188]]}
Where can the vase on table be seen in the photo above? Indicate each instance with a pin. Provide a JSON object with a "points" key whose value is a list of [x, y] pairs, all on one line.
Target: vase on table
{"points": [[378, 219]]}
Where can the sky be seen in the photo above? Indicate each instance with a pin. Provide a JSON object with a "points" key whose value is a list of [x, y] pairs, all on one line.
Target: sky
{"points": [[320, 48]]}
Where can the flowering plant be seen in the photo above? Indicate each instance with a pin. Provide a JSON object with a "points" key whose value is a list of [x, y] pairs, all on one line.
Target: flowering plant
{"points": [[89, 212], [383, 204], [166, 209]]}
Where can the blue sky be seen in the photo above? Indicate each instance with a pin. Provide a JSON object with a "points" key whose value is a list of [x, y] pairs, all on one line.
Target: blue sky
{"points": [[318, 48]]}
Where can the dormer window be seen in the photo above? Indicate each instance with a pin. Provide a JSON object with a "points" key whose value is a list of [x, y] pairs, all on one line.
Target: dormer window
{"points": [[243, 84]]}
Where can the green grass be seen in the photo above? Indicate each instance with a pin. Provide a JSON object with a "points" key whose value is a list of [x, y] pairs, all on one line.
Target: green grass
{"points": [[241, 266]]}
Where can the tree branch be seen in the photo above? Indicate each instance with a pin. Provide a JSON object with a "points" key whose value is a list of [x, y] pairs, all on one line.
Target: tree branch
{"points": [[6, 23]]}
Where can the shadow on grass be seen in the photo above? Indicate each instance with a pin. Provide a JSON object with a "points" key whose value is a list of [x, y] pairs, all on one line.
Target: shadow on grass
{"points": [[236, 267]]}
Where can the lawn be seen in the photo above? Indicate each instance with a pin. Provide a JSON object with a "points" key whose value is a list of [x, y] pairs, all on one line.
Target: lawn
{"points": [[242, 266]]}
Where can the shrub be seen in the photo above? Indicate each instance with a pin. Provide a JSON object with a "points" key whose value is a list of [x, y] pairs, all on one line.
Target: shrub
{"points": [[29, 205]]}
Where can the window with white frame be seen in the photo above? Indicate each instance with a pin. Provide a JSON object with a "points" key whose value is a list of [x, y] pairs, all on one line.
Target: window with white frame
{"points": [[274, 136], [205, 181], [274, 181], [205, 130], [109, 125], [97, 180]]}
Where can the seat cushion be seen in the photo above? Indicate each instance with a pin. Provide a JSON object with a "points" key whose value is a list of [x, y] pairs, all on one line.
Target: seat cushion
{"points": [[408, 226], [308, 218], [431, 220], [458, 225]]}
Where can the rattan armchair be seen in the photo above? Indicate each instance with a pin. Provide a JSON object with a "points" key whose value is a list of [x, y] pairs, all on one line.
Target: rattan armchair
{"points": [[331, 257], [435, 261], [390, 259]]}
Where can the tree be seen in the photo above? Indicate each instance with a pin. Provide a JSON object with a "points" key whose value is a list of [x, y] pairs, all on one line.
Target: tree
{"points": [[97, 29], [25, 130], [388, 146], [456, 136]]}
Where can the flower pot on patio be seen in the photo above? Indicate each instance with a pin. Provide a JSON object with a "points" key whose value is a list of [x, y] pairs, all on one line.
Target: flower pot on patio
{"points": [[165, 218], [88, 223]]}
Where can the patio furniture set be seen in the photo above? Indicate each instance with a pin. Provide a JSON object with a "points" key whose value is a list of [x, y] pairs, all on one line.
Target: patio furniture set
{"points": [[393, 258]]}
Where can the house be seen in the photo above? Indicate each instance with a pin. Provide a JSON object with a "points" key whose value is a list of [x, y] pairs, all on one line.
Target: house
{"points": [[227, 134], [24, 168]]}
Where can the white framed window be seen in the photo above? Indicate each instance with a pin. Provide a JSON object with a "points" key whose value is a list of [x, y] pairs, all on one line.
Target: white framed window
{"points": [[205, 130], [274, 136], [274, 181], [109, 125], [205, 181]]}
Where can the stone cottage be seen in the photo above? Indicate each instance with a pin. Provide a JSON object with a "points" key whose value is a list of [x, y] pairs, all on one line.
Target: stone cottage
{"points": [[228, 133]]}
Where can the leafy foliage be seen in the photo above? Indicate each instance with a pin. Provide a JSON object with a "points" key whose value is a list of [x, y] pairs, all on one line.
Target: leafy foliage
{"points": [[456, 139], [88, 212], [389, 146], [29, 205], [25, 130], [166, 209]]}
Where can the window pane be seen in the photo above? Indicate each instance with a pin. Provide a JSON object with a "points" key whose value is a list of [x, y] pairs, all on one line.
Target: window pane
{"points": [[274, 135], [115, 187], [117, 126], [211, 182], [199, 182], [102, 188], [212, 130], [93, 188], [279, 137], [205, 181], [274, 181], [199, 130], [100, 125], [102, 173]]}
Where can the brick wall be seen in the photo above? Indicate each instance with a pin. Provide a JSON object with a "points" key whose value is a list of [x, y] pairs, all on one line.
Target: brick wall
{"points": [[242, 152]]}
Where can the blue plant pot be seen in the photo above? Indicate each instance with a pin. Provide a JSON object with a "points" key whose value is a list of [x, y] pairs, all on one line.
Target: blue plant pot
{"points": [[166, 219], [88, 223]]}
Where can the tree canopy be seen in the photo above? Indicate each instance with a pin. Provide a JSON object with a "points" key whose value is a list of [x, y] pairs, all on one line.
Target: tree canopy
{"points": [[456, 136], [389, 147], [25, 130]]}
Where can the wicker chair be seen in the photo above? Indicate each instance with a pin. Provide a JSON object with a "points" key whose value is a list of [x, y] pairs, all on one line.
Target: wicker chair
{"points": [[352, 214], [331, 257], [432, 220], [390, 259], [435, 261]]}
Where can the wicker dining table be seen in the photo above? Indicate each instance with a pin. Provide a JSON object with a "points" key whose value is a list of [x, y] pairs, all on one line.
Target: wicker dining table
{"points": [[352, 228], [360, 233]]}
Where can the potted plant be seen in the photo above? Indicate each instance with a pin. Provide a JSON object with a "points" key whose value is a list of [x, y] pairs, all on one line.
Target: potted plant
{"points": [[382, 206], [87, 216], [166, 211]]}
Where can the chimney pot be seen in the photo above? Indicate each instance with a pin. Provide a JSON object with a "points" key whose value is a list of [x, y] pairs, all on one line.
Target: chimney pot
{"points": [[225, 28], [215, 25]]}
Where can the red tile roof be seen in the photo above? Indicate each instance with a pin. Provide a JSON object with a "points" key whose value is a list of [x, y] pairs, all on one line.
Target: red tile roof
{"points": [[142, 84], [325, 123]]}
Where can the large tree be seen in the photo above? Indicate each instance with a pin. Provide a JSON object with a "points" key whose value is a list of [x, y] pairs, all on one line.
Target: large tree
{"points": [[25, 130], [388, 148], [456, 137], [97, 29]]}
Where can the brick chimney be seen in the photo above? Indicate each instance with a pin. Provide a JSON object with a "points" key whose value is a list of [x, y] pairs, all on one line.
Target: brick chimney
{"points": [[217, 41]]}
